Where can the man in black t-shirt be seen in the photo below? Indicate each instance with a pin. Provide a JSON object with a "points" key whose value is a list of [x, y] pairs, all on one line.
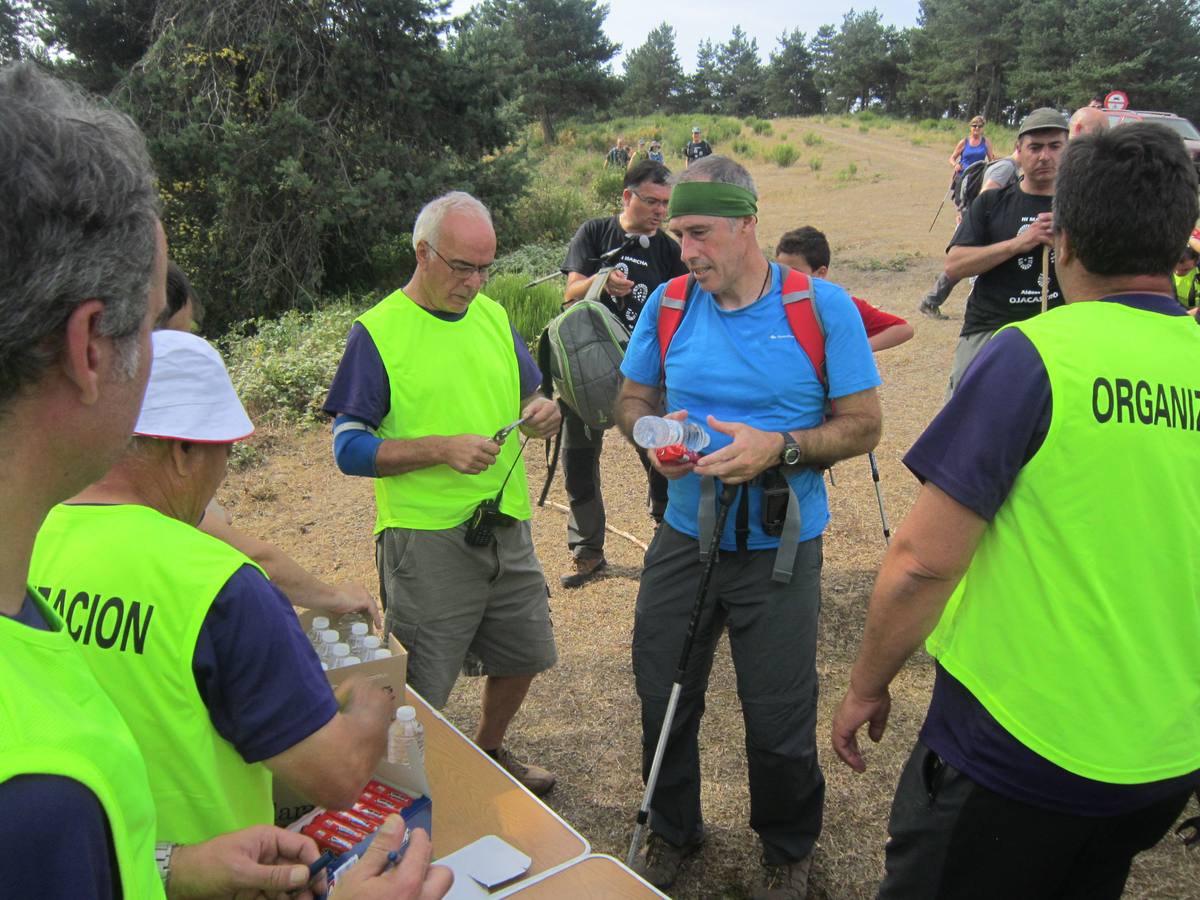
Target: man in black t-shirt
{"points": [[636, 274], [1000, 240], [698, 148]]}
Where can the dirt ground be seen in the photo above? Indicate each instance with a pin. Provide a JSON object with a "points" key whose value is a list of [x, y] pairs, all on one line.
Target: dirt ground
{"points": [[581, 718]]}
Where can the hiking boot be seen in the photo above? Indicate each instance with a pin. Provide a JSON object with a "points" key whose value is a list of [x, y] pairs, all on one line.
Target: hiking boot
{"points": [[585, 571], [660, 861], [931, 310], [788, 881], [538, 780]]}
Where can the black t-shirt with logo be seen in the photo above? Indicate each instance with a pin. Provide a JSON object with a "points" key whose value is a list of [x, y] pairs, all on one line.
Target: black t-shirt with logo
{"points": [[1012, 291], [646, 268], [695, 150]]}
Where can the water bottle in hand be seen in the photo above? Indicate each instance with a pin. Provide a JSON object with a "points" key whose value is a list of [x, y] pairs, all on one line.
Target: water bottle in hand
{"points": [[671, 440]]}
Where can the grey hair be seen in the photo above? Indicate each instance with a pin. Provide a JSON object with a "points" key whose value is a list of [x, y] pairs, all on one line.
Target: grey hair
{"points": [[78, 221], [429, 220], [721, 169]]}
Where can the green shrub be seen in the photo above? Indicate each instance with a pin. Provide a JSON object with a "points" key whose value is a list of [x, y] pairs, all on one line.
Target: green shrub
{"points": [[848, 173], [606, 189], [864, 129], [548, 213], [762, 126], [783, 155], [282, 367], [531, 261], [812, 139], [742, 147], [529, 309], [815, 163]]}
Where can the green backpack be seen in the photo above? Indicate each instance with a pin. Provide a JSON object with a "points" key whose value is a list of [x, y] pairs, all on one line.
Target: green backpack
{"points": [[580, 355]]}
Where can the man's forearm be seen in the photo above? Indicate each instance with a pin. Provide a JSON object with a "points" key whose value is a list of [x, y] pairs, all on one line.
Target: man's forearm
{"points": [[927, 558], [630, 407], [841, 437], [398, 457], [963, 262], [905, 606]]}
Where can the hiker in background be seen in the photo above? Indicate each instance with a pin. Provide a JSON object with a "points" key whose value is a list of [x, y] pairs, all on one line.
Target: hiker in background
{"points": [[764, 407], [1042, 566], [433, 379], [638, 272], [999, 174], [1185, 274], [806, 250], [655, 153], [973, 148], [1087, 120], [697, 148], [1001, 240], [638, 155], [618, 156]]}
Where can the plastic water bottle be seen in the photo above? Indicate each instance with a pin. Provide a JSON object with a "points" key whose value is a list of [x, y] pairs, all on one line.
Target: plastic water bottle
{"points": [[319, 624], [405, 735], [358, 631], [329, 638], [340, 652], [370, 644], [348, 661], [382, 653], [654, 431], [348, 620]]}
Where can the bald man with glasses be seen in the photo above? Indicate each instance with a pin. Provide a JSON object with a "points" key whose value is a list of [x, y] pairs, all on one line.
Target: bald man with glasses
{"points": [[638, 271], [433, 380]]}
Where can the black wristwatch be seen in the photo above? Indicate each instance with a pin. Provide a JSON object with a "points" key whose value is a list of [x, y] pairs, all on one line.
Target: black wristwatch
{"points": [[791, 450]]}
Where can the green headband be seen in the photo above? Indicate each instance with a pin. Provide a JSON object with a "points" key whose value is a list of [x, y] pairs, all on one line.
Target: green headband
{"points": [[711, 198]]}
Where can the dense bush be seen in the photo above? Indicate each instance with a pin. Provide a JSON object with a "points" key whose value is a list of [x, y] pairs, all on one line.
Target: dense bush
{"points": [[282, 367]]}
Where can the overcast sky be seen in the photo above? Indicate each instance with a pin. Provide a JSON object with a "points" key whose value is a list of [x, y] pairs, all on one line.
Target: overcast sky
{"points": [[629, 21]]}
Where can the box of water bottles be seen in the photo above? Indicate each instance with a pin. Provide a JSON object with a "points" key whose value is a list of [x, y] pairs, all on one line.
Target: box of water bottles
{"points": [[347, 647]]}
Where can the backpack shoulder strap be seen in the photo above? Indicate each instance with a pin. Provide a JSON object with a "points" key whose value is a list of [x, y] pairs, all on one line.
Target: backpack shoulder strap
{"points": [[800, 307], [670, 312], [543, 361]]}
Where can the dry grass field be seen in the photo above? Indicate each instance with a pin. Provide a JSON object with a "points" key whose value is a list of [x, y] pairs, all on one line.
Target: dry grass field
{"points": [[581, 718]]}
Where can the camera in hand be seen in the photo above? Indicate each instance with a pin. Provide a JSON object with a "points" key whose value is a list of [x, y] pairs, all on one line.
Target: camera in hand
{"points": [[481, 530]]}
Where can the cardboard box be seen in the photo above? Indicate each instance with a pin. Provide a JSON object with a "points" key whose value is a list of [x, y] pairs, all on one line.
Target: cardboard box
{"points": [[389, 674]]}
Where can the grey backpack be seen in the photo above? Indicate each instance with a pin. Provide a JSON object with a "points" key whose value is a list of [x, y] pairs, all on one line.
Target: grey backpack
{"points": [[580, 355]]}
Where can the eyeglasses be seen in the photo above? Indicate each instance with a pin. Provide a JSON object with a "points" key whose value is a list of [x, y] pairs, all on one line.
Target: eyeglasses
{"points": [[461, 269], [652, 202]]}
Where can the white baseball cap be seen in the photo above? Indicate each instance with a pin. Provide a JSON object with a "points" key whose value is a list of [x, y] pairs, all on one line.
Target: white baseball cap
{"points": [[190, 396]]}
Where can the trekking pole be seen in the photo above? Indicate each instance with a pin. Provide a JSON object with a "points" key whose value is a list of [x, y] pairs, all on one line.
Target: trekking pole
{"points": [[728, 492], [887, 532], [536, 281], [1045, 276], [949, 191]]}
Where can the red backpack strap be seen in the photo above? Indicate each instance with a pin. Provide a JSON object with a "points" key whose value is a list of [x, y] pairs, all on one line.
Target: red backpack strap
{"points": [[800, 307], [670, 313]]}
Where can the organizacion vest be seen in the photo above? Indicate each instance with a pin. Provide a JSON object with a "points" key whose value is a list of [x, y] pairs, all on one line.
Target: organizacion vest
{"points": [[55, 719], [1078, 621], [133, 587], [447, 378]]}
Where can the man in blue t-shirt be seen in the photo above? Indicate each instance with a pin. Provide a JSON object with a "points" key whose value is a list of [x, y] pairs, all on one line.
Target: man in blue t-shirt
{"points": [[734, 367]]}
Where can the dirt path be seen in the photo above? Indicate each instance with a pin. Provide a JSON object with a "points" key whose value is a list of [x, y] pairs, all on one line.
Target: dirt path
{"points": [[581, 718]]}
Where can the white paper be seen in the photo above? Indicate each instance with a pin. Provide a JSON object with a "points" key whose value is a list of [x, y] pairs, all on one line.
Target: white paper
{"points": [[484, 863]]}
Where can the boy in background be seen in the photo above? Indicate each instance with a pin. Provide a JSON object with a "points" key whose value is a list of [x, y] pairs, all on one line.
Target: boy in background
{"points": [[807, 250]]}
